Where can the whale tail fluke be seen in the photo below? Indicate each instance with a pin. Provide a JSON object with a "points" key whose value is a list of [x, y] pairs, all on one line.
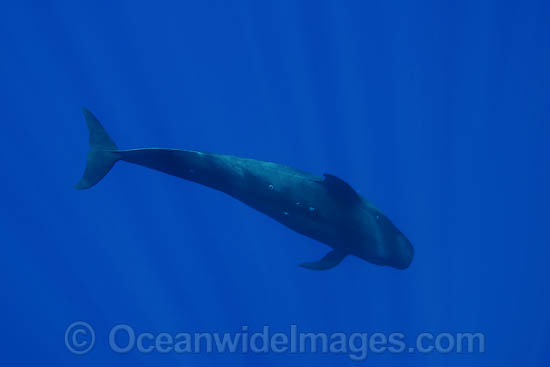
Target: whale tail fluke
{"points": [[102, 156]]}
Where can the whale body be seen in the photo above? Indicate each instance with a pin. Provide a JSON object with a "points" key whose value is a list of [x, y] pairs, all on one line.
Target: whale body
{"points": [[325, 208]]}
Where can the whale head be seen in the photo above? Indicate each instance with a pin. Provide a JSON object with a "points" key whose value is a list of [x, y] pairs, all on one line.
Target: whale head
{"points": [[382, 243], [401, 252]]}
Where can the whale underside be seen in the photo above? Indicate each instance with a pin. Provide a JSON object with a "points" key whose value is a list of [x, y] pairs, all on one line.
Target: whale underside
{"points": [[324, 208]]}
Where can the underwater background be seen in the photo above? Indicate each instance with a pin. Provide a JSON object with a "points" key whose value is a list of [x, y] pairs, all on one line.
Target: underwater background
{"points": [[437, 112]]}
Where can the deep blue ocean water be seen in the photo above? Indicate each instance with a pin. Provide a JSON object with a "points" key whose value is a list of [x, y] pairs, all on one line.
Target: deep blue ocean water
{"points": [[437, 112]]}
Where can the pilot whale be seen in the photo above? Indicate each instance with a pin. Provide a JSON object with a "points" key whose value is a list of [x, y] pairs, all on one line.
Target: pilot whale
{"points": [[326, 208]]}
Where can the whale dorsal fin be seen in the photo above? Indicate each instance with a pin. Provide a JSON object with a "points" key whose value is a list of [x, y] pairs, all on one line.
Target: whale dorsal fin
{"points": [[340, 189]]}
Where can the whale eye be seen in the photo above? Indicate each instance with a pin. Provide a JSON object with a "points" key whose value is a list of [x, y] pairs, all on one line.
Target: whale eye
{"points": [[377, 217], [271, 187]]}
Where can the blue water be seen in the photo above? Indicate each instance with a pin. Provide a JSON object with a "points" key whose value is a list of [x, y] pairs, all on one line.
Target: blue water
{"points": [[436, 112]]}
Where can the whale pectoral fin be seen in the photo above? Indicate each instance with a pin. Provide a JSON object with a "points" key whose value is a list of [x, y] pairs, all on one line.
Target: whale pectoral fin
{"points": [[329, 261]]}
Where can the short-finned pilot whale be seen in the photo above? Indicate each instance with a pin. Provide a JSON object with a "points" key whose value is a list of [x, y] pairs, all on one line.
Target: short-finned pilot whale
{"points": [[326, 209]]}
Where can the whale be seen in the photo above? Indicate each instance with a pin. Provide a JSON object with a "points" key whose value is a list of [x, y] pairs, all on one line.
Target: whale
{"points": [[324, 208]]}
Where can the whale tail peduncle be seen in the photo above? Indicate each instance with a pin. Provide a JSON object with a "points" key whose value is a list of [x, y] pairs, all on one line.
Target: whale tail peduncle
{"points": [[102, 156]]}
